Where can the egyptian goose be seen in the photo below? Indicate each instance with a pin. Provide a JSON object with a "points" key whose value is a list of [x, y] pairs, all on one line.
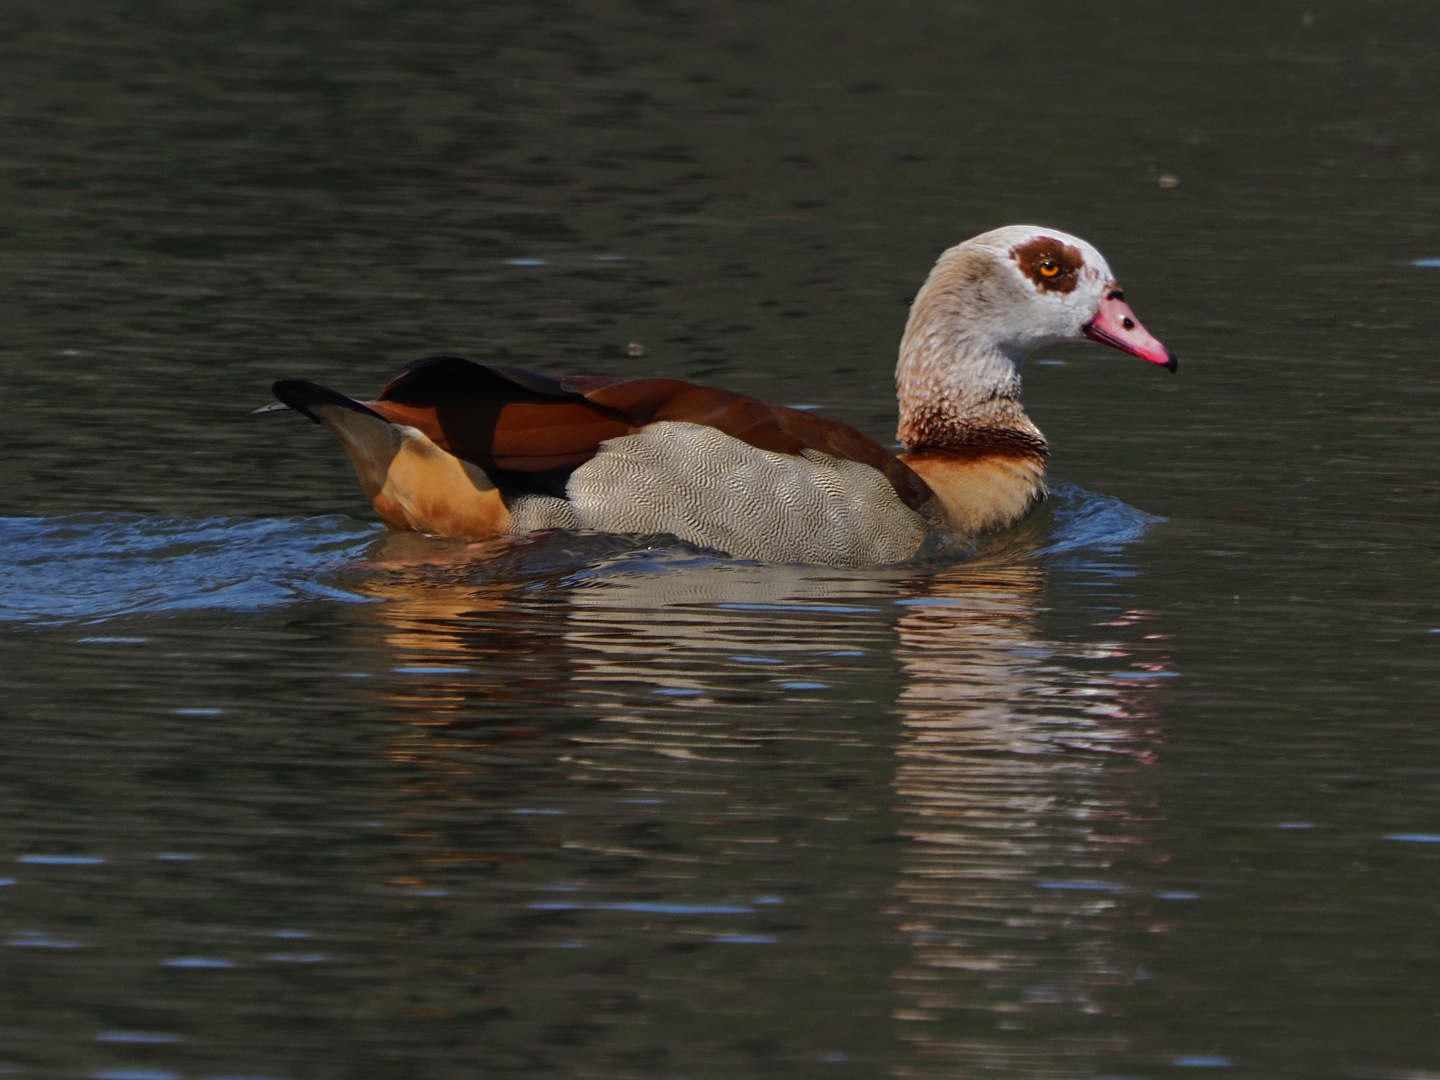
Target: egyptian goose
{"points": [[458, 449]]}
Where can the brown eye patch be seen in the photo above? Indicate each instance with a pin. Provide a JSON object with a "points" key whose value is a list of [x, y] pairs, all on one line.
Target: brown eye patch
{"points": [[1051, 265]]}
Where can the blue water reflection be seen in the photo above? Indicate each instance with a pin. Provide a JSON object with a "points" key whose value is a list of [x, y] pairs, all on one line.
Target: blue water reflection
{"points": [[91, 567], [95, 566]]}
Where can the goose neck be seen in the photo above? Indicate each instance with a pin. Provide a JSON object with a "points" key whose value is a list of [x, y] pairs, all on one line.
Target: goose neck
{"points": [[957, 393]]}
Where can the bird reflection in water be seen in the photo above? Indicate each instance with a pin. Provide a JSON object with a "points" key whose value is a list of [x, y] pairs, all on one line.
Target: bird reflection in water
{"points": [[465, 663], [1025, 791], [1020, 774]]}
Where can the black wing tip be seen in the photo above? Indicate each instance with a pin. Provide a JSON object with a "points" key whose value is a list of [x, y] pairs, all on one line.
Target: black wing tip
{"points": [[302, 395], [430, 361], [438, 377]]}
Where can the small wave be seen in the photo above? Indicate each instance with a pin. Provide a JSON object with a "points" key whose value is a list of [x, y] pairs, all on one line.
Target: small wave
{"points": [[1086, 521], [91, 567]]}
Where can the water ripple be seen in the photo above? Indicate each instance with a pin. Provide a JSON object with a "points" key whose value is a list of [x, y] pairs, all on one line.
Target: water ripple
{"points": [[1085, 520], [88, 567], [92, 567]]}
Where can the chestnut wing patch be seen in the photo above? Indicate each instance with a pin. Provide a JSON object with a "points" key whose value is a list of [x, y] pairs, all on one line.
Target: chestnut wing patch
{"points": [[500, 418], [518, 421]]}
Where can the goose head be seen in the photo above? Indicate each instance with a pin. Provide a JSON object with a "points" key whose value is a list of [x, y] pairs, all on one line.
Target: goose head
{"points": [[987, 304], [1017, 288]]}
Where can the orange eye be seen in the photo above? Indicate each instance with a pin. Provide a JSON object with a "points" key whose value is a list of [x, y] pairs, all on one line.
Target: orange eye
{"points": [[1049, 268]]}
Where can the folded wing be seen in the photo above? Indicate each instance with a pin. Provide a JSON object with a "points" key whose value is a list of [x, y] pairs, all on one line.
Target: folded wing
{"points": [[508, 420]]}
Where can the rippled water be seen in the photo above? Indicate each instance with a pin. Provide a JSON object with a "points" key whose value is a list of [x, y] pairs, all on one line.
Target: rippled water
{"points": [[1148, 786], [88, 568], [579, 786], [92, 567]]}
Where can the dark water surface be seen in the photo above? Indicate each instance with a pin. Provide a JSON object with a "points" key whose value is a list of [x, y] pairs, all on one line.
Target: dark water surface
{"points": [[283, 796]]}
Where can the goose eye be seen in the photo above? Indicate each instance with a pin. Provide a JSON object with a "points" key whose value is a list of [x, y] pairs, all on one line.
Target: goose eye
{"points": [[1049, 268]]}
